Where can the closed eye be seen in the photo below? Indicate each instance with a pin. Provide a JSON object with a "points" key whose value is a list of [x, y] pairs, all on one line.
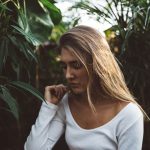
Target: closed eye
{"points": [[73, 64], [76, 65]]}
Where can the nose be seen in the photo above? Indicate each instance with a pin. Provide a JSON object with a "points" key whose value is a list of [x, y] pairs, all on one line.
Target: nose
{"points": [[69, 73]]}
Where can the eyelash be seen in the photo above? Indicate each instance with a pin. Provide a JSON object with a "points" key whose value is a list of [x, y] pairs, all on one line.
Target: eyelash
{"points": [[75, 66]]}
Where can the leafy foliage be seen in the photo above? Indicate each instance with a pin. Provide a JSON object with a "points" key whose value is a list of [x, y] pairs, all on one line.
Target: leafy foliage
{"points": [[8, 98], [135, 52], [22, 29]]}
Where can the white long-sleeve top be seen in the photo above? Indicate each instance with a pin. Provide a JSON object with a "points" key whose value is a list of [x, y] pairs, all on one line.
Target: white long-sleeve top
{"points": [[123, 132]]}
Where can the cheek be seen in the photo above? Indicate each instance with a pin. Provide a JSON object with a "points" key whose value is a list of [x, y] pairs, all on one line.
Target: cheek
{"points": [[84, 77]]}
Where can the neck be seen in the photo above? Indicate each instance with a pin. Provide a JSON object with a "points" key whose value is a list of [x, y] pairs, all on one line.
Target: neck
{"points": [[82, 98], [97, 98]]}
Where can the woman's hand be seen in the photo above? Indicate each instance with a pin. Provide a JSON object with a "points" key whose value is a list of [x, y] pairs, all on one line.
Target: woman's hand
{"points": [[54, 93]]}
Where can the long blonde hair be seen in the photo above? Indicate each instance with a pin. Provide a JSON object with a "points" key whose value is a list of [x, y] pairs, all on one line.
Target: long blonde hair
{"points": [[92, 49]]}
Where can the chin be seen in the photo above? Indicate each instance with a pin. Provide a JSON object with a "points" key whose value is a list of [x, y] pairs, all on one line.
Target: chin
{"points": [[77, 91]]}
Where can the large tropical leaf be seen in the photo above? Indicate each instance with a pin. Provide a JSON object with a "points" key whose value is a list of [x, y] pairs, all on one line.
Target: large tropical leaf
{"points": [[3, 7], [24, 47], [25, 29], [28, 35], [55, 13], [11, 102], [42, 18], [28, 88], [41, 23], [147, 18], [3, 51]]}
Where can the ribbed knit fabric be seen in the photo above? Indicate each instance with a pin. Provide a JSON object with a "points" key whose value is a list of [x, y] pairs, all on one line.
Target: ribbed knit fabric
{"points": [[123, 132]]}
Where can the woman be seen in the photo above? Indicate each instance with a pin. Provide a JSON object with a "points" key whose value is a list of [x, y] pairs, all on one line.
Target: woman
{"points": [[96, 110]]}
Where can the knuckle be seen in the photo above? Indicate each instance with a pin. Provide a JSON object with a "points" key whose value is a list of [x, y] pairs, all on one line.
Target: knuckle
{"points": [[46, 88], [61, 85]]}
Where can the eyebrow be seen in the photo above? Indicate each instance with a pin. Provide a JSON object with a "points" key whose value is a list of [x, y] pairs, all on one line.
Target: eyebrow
{"points": [[70, 62]]}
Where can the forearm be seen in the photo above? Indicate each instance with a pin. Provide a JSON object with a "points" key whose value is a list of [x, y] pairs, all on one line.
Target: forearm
{"points": [[42, 136]]}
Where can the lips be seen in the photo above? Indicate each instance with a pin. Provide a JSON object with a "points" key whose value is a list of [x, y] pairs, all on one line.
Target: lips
{"points": [[73, 85]]}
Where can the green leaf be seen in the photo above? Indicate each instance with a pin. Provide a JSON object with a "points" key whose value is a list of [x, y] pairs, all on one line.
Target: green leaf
{"points": [[34, 7], [147, 19], [28, 88], [29, 36], [76, 21], [31, 52], [3, 7], [28, 53], [41, 17], [3, 52], [55, 13], [41, 26], [24, 47], [11, 102], [23, 21]]}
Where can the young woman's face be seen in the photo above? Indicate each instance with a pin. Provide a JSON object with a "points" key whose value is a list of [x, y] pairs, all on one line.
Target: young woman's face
{"points": [[74, 71]]}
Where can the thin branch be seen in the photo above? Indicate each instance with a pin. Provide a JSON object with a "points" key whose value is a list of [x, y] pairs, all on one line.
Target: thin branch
{"points": [[116, 4], [108, 14], [112, 10], [6, 1], [107, 20], [121, 9], [105, 8], [128, 11]]}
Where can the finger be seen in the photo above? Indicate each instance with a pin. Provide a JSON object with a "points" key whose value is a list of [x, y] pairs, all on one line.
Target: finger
{"points": [[60, 90], [63, 89], [50, 90], [57, 91]]}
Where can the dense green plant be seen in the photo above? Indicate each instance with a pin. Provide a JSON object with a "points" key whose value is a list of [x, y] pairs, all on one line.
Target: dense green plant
{"points": [[135, 55], [24, 25]]}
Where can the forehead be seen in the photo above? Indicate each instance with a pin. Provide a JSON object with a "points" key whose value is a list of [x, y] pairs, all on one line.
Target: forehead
{"points": [[67, 55]]}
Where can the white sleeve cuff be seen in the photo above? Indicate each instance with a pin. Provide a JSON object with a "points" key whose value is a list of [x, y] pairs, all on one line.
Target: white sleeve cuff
{"points": [[49, 105]]}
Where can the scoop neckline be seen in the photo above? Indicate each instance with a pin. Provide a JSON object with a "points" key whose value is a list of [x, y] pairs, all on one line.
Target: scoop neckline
{"points": [[100, 127]]}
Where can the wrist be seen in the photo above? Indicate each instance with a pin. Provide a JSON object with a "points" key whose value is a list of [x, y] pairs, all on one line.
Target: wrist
{"points": [[51, 102]]}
